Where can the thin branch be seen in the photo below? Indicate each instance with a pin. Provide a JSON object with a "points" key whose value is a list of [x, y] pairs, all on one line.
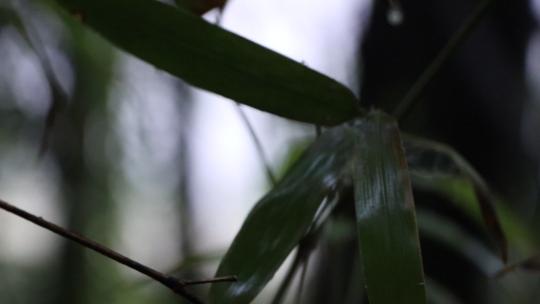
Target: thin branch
{"points": [[318, 131], [447, 51], [302, 282], [284, 286], [305, 248], [247, 123], [174, 284], [211, 281], [258, 144]]}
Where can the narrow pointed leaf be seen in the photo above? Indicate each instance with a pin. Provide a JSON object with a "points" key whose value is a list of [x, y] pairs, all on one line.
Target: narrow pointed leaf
{"points": [[206, 56], [385, 215], [439, 167], [282, 217]]}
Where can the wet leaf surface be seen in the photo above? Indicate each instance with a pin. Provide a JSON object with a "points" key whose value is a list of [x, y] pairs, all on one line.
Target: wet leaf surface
{"points": [[385, 215], [206, 56], [281, 218]]}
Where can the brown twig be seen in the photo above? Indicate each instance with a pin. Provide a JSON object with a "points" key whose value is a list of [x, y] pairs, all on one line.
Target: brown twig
{"points": [[174, 284]]}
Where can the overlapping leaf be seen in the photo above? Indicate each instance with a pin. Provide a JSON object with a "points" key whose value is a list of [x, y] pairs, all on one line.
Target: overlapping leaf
{"points": [[206, 56], [385, 215], [439, 168], [281, 218]]}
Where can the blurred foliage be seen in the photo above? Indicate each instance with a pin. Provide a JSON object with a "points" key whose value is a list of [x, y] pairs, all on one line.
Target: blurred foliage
{"points": [[57, 92]]}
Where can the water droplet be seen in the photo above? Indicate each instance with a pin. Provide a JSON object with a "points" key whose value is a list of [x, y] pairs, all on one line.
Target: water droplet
{"points": [[394, 16]]}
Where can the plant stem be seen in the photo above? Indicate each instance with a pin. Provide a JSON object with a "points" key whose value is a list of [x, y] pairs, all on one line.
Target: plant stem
{"points": [[301, 284], [247, 123], [282, 291], [211, 281], [174, 284], [415, 92], [258, 145]]}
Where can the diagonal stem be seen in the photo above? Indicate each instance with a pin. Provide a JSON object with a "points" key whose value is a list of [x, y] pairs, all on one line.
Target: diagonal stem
{"points": [[249, 126], [415, 92], [258, 145], [174, 284]]}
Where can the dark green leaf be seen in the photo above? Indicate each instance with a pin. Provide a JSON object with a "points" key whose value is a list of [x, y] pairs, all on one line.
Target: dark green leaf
{"points": [[438, 167], [200, 7], [177, 41], [385, 214], [281, 218]]}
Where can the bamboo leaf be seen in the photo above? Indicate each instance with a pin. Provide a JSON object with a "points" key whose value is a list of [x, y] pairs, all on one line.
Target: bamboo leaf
{"points": [[281, 218], [385, 215], [440, 168], [206, 56]]}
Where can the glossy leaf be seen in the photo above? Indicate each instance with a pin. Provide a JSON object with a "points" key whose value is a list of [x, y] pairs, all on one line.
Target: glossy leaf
{"points": [[281, 218], [206, 56], [385, 215], [438, 167]]}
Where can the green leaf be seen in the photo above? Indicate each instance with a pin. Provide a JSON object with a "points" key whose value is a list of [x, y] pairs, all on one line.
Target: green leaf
{"points": [[206, 56], [281, 218], [439, 168], [385, 215]]}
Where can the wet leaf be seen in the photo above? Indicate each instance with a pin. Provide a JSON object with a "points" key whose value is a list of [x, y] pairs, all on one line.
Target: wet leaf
{"points": [[439, 168], [206, 56], [281, 218], [385, 215]]}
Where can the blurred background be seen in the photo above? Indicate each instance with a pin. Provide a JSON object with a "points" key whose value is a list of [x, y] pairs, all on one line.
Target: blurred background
{"points": [[165, 173]]}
